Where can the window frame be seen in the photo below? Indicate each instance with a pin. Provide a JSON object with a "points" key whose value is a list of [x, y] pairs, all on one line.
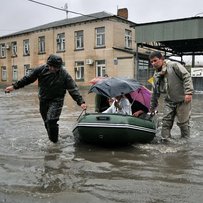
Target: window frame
{"points": [[3, 50], [100, 36], [14, 73], [60, 42], [79, 70], [3, 73], [26, 47], [27, 69], [128, 39], [14, 48], [100, 68], [79, 39], [41, 45]]}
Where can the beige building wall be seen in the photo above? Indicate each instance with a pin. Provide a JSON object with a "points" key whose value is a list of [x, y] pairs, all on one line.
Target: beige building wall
{"points": [[119, 61]]}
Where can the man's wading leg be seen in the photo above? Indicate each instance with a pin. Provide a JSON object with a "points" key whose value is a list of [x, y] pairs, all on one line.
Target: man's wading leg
{"points": [[183, 117], [51, 111], [168, 120]]}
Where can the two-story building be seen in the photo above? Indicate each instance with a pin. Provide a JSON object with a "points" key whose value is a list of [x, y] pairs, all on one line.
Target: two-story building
{"points": [[90, 45]]}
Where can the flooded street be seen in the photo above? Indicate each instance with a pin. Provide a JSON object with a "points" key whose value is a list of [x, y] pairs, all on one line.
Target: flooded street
{"points": [[34, 170]]}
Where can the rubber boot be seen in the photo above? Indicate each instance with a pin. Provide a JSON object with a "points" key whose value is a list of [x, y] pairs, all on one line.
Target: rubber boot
{"points": [[53, 130], [165, 134], [53, 134], [185, 131]]}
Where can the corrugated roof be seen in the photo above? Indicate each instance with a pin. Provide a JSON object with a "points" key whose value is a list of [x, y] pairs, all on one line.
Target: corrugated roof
{"points": [[64, 22], [181, 36]]}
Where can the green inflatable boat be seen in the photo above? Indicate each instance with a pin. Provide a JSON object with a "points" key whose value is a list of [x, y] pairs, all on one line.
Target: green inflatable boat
{"points": [[113, 129]]}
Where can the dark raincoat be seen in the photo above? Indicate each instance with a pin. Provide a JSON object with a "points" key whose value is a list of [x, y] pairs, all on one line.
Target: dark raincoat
{"points": [[52, 90]]}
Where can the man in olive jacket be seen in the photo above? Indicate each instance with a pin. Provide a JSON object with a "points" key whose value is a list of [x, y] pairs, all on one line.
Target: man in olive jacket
{"points": [[174, 81], [53, 81]]}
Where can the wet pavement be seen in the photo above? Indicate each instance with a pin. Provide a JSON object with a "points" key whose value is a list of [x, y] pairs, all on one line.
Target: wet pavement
{"points": [[34, 170]]}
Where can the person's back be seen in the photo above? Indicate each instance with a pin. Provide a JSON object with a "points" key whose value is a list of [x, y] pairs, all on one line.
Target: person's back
{"points": [[101, 103]]}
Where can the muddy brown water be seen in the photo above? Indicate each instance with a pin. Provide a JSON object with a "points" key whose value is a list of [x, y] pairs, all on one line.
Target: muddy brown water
{"points": [[34, 170]]}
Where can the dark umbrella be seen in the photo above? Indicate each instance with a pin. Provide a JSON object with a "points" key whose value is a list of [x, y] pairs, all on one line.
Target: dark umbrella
{"points": [[112, 87]]}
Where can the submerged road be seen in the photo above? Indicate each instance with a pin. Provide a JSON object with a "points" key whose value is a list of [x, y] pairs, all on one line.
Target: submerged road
{"points": [[34, 170]]}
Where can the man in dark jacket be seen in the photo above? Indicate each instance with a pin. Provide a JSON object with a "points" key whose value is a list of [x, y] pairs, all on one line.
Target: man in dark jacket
{"points": [[53, 81]]}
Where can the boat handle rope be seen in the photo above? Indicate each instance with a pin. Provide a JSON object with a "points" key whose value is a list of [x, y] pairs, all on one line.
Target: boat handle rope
{"points": [[81, 114]]}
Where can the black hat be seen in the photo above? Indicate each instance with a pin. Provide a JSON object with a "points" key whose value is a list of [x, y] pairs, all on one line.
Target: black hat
{"points": [[54, 60]]}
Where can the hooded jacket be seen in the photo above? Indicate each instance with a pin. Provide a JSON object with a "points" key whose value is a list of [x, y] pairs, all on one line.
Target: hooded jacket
{"points": [[51, 85], [174, 81]]}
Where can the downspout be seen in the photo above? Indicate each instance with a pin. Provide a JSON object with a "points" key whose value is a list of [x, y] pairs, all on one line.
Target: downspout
{"points": [[136, 68]]}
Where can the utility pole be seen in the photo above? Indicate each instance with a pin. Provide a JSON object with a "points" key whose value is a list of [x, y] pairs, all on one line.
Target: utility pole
{"points": [[66, 9]]}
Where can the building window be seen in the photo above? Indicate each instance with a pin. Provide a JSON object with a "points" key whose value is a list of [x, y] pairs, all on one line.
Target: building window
{"points": [[2, 50], [100, 37], [15, 73], [3, 73], [79, 40], [41, 45], [27, 69], [143, 64], [100, 68], [60, 42], [128, 39], [79, 70], [26, 47], [14, 48]]}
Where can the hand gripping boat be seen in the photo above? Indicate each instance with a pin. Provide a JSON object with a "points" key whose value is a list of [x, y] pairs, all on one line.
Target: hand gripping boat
{"points": [[113, 129]]}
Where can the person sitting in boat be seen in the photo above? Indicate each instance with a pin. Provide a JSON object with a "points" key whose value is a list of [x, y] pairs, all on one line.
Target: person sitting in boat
{"points": [[101, 103], [138, 109], [120, 105]]}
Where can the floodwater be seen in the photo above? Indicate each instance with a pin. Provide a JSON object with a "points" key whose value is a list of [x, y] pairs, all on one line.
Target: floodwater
{"points": [[34, 170]]}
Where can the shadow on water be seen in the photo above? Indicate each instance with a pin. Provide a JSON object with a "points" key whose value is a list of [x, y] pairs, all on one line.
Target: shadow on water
{"points": [[34, 170]]}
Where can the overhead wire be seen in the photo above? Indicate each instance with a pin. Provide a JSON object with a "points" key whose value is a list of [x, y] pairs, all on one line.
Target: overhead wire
{"points": [[62, 9]]}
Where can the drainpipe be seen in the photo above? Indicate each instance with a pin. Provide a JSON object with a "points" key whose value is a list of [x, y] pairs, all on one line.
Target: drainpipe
{"points": [[136, 68]]}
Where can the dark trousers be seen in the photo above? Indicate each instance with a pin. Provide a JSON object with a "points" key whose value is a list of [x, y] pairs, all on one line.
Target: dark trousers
{"points": [[50, 111]]}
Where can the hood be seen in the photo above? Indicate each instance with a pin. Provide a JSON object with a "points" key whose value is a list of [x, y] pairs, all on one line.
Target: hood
{"points": [[54, 60]]}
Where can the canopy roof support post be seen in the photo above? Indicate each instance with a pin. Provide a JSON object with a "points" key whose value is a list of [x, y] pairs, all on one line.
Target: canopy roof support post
{"points": [[136, 74], [193, 60]]}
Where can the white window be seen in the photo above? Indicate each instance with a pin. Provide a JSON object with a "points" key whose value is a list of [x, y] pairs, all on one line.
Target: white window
{"points": [[79, 70], [26, 47], [79, 40], [2, 50], [100, 37], [27, 69], [41, 44], [15, 73], [60, 41], [3, 73], [128, 39], [100, 68], [14, 48]]}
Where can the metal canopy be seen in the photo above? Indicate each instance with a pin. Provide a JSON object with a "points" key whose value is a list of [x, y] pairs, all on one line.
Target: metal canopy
{"points": [[179, 37]]}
